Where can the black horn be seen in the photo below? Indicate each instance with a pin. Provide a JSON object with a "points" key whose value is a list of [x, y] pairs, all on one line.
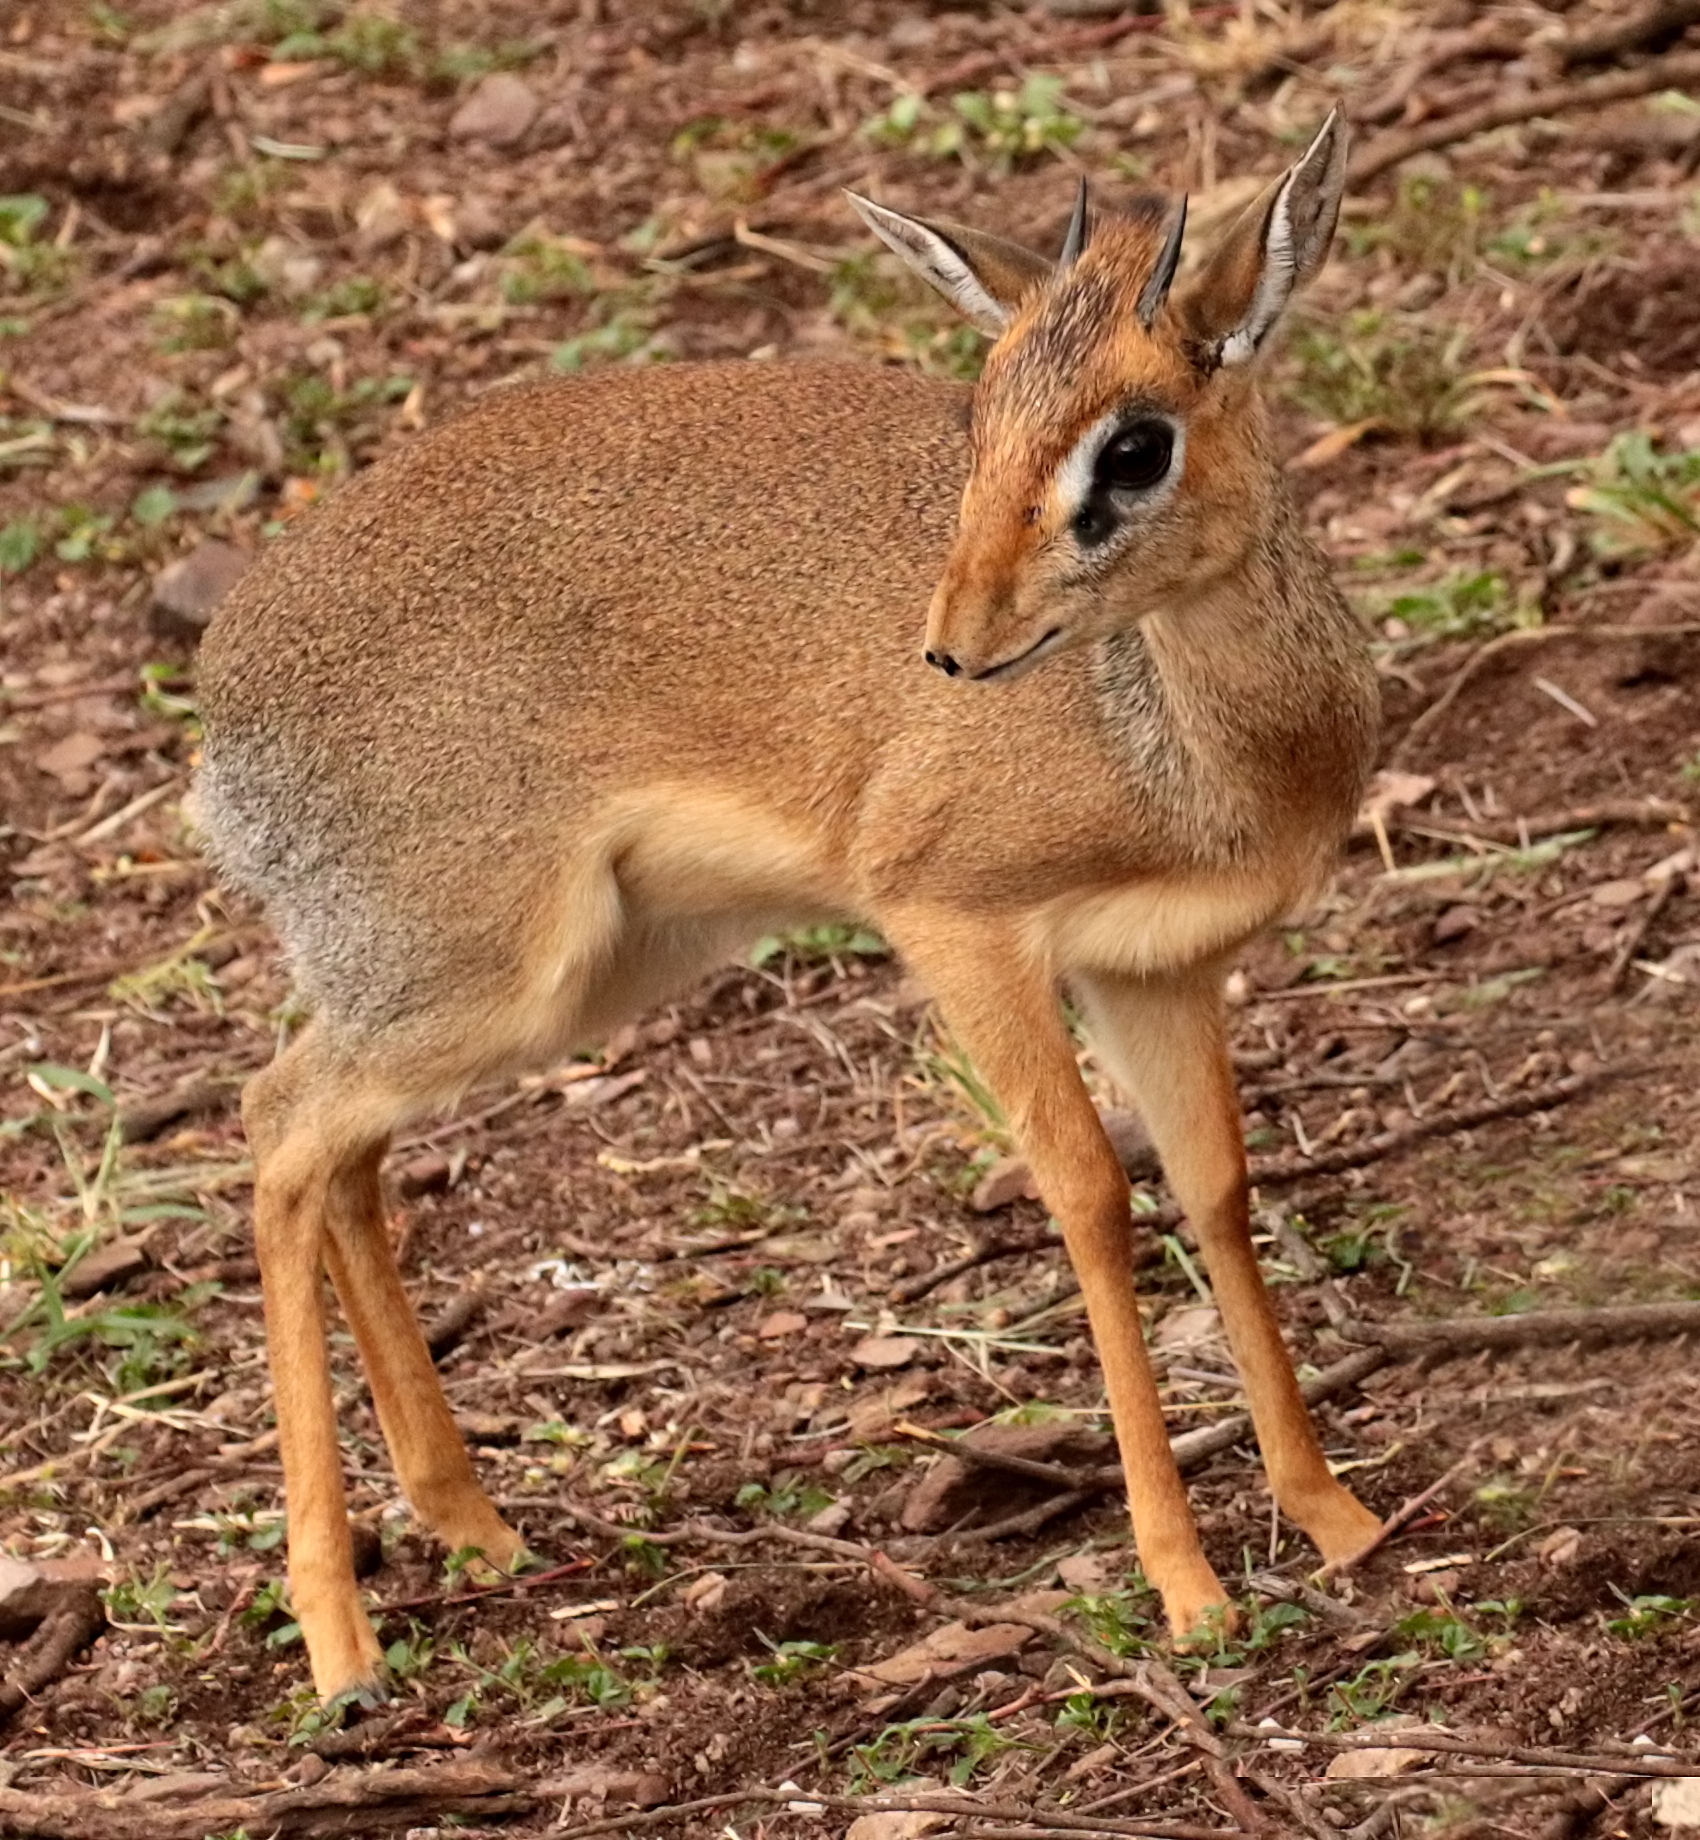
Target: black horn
{"points": [[1075, 241], [1156, 290]]}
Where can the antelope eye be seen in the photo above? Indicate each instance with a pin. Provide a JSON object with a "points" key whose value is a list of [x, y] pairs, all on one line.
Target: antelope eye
{"points": [[1135, 459]]}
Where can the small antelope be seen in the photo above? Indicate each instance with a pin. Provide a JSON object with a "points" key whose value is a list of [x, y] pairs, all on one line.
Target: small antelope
{"points": [[569, 701]]}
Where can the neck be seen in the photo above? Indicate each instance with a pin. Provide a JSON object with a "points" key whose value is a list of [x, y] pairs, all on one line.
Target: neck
{"points": [[1246, 717]]}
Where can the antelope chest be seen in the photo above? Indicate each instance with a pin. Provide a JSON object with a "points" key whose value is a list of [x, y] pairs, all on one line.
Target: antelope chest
{"points": [[1162, 924]]}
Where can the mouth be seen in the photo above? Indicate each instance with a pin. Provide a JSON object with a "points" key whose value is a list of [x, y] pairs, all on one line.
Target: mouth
{"points": [[1022, 662]]}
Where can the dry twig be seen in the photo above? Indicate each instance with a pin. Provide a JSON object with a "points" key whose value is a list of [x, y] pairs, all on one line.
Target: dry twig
{"points": [[1653, 26], [51, 1650], [1391, 149], [1457, 1335], [1268, 1169], [345, 1802]]}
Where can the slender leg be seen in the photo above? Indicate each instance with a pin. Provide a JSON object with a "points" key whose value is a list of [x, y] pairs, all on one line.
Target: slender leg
{"points": [[1003, 1009], [293, 1173], [425, 1443], [1164, 1041]]}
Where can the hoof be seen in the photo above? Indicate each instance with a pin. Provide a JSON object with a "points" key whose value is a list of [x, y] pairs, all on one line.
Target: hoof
{"points": [[1209, 1629], [1346, 1532], [348, 1663], [1198, 1611]]}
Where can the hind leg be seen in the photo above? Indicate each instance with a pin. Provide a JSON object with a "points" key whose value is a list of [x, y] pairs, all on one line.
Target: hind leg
{"points": [[425, 1443], [296, 1163]]}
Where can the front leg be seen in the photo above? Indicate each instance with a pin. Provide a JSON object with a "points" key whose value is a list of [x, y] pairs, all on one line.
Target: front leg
{"points": [[1164, 1041], [1001, 1005]]}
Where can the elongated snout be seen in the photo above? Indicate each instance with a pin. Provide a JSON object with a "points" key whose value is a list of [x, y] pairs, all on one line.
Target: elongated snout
{"points": [[977, 627]]}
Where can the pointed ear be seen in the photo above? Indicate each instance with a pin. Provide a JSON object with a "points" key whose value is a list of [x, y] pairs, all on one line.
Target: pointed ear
{"points": [[982, 276], [1271, 252]]}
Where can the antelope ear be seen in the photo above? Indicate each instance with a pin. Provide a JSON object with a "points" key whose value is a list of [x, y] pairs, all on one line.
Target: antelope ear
{"points": [[1271, 252], [982, 276]]}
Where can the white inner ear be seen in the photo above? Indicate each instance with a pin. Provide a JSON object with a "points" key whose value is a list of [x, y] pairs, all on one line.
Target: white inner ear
{"points": [[939, 265], [1275, 285]]}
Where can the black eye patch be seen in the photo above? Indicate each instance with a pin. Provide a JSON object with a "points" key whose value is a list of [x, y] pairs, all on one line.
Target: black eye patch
{"points": [[1136, 458]]}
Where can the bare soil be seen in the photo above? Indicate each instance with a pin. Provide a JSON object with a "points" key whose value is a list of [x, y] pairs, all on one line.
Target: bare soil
{"points": [[267, 259]]}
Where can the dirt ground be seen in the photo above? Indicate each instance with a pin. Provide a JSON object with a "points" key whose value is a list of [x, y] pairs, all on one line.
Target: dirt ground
{"points": [[708, 1303]]}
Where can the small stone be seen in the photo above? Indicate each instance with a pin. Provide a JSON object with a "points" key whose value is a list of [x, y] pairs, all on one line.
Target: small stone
{"points": [[907, 1824], [831, 1520], [498, 111], [476, 226], [106, 1268], [706, 1592], [1617, 894], [424, 1175], [1676, 1801], [68, 760], [568, 1309], [1454, 923], [30, 1593], [186, 591], [954, 1487], [1085, 1573], [1007, 1180], [885, 1351], [950, 1650], [597, 1783]]}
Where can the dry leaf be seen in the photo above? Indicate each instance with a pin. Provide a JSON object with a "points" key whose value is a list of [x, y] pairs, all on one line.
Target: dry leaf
{"points": [[705, 1593], [947, 1649], [885, 1351]]}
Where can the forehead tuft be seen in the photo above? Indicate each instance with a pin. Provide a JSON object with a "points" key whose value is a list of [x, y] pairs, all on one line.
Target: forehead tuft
{"points": [[1077, 349]]}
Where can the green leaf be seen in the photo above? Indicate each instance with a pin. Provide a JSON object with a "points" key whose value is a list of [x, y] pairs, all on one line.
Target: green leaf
{"points": [[20, 544], [154, 505], [21, 215], [72, 1079]]}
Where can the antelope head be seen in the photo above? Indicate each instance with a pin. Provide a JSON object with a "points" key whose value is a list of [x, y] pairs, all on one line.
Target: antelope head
{"points": [[1119, 461]]}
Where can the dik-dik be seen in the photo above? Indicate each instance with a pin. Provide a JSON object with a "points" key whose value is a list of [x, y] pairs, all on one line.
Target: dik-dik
{"points": [[572, 699]]}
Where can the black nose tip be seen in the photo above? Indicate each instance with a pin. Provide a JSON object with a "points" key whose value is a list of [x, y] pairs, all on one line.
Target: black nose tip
{"points": [[943, 661]]}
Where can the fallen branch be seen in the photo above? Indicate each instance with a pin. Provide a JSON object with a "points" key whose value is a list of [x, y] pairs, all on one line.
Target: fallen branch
{"points": [[1269, 1169], [1652, 26], [1602, 814], [1457, 1335], [696, 1533], [1636, 936], [1191, 1450], [1391, 149], [1041, 1514], [376, 1799], [521, 1582], [1517, 641], [1026, 1821], [912, 1290], [1437, 1743], [51, 1650]]}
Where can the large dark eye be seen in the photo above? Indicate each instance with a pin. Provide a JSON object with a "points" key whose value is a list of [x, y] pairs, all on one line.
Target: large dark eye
{"points": [[1135, 459]]}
